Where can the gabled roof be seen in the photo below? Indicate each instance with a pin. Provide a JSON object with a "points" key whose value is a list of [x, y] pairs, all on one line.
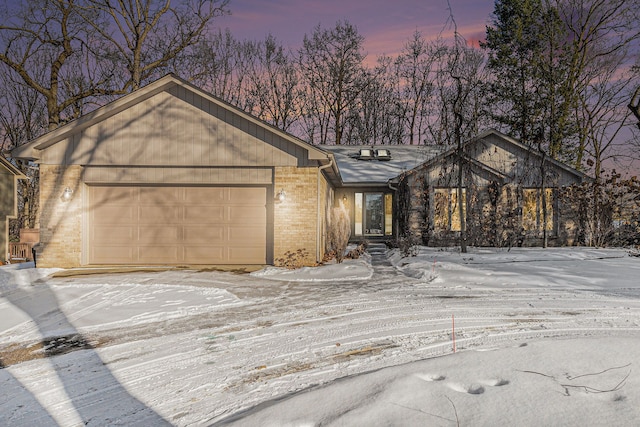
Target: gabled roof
{"points": [[531, 150], [501, 176], [31, 150], [11, 168]]}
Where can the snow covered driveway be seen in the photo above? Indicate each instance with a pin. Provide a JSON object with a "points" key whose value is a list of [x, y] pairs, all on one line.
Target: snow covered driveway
{"points": [[192, 348]]}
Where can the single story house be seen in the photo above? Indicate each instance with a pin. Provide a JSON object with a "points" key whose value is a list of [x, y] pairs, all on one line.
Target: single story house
{"points": [[411, 192], [172, 175], [9, 176]]}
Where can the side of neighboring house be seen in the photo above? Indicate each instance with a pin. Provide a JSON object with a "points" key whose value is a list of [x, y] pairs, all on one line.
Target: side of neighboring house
{"points": [[9, 176], [171, 175], [511, 195]]}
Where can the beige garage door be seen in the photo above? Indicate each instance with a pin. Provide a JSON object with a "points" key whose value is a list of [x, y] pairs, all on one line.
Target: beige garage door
{"points": [[176, 225]]}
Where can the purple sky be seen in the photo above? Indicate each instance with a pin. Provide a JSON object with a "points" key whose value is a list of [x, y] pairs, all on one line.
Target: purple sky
{"points": [[385, 24]]}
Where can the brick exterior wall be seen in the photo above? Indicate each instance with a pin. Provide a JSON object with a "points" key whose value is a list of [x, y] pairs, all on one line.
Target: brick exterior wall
{"points": [[296, 218], [60, 220], [61, 225]]}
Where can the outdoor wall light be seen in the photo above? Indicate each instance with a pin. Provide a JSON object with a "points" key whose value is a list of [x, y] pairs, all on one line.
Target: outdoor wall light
{"points": [[66, 194], [344, 199], [281, 196]]}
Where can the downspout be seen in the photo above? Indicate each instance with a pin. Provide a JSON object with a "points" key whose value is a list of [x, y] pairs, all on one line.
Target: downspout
{"points": [[395, 234], [319, 219]]}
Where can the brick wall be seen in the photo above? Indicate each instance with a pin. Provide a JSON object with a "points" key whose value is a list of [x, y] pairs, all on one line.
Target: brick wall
{"points": [[60, 220], [7, 209], [296, 218]]}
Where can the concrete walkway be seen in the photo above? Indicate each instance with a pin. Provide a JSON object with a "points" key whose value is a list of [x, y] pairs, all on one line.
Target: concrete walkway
{"points": [[379, 261]]}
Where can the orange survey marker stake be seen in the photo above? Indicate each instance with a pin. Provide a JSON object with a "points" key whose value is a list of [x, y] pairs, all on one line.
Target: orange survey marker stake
{"points": [[453, 332]]}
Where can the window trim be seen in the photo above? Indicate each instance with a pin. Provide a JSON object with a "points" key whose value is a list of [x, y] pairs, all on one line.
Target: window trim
{"points": [[539, 220], [360, 212], [453, 222]]}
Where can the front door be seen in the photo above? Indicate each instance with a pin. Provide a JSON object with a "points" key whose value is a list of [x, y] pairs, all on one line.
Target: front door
{"points": [[373, 214]]}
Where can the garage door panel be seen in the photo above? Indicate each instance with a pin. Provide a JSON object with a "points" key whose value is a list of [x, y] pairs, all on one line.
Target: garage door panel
{"points": [[177, 225], [160, 214], [205, 254], [160, 195], [204, 235], [112, 254], [244, 255], [248, 233], [114, 234], [155, 254], [239, 214], [158, 234], [203, 214], [205, 195], [114, 196], [245, 196], [115, 215]]}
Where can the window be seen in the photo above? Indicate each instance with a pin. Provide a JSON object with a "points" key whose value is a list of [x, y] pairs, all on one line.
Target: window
{"points": [[383, 154], [388, 214], [446, 210], [358, 214], [373, 214], [532, 212], [365, 154]]}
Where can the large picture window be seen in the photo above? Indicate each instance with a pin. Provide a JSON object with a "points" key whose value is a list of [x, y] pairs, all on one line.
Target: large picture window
{"points": [[532, 209], [446, 209]]}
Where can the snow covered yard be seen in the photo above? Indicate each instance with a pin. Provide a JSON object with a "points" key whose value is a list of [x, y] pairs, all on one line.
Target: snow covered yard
{"points": [[543, 337]]}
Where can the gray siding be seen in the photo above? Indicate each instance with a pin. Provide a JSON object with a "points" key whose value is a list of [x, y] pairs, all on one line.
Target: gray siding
{"points": [[518, 163], [178, 175], [176, 128]]}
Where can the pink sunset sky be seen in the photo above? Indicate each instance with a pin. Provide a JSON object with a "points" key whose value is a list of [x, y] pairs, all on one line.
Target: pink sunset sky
{"points": [[385, 24]]}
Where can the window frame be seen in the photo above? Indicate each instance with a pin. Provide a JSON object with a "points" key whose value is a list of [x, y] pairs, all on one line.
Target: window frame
{"points": [[451, 220], [360, 212], [533, 222]]}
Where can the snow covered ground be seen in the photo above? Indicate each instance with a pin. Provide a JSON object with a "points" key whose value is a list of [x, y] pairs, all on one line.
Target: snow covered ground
{"points": [[542, 337]]}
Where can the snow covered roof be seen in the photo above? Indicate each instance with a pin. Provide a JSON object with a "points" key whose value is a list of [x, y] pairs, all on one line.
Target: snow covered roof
{"points": [[354, 170]]}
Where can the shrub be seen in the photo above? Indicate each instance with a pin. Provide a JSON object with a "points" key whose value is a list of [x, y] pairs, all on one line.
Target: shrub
{"points": [[293, 260], [338, 231]]}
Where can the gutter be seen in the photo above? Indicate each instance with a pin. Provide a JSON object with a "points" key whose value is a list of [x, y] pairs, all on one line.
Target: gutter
{"points": [[319, 216]]}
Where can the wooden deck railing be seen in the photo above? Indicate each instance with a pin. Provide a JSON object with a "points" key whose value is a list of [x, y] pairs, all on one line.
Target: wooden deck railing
{"points": [[20, 252]]}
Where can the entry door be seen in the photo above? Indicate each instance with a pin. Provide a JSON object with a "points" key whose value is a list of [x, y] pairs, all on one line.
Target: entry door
{"points": [[373, 214]]}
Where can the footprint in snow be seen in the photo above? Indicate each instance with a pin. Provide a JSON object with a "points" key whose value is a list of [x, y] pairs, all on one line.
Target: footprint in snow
{"points": [[495, 382], [466, 388], [430, 377]]}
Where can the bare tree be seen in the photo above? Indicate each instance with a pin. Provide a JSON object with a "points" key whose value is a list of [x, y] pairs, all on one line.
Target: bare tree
{"points": [[144, 36], [332, 63], [599, 33], [40, 40], [219, 64], [602, 114], [634, 104], [274, 84], [70, 56], [464, 67], [377, 117], [416, 71]]}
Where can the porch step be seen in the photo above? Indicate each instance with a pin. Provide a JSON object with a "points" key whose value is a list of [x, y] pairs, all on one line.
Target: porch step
{"points": [[377, 249], [379, 261]]}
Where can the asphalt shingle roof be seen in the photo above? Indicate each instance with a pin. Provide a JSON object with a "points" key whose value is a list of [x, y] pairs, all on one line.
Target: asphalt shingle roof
{"points": [[363, 172]]}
